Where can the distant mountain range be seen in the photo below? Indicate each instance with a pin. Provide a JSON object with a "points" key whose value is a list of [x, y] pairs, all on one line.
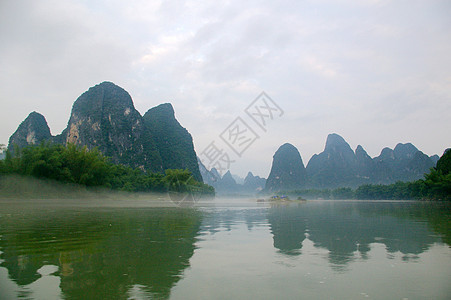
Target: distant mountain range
{"points": [[105, 117], [228, 185], [339, 166]]}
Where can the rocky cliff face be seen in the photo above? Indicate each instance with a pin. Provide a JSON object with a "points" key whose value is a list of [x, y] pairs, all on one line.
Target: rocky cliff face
{"points": [[287, 171], [105, 117], [33, 130]]}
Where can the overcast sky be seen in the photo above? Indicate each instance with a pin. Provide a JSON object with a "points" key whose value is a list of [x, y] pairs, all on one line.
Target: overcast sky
{"points": [[375, 72]]}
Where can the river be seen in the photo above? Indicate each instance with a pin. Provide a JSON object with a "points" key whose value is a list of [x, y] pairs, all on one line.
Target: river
{"points": [[225, 249]]}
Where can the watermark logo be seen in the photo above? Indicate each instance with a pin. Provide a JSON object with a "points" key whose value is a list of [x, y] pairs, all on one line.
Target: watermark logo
{"points": [[263, 110], [182, 198], [217, 158], [239, 135], [183, 189], [234, 141]]}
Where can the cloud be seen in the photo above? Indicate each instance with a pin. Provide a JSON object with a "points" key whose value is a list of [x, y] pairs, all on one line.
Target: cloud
{"points": [[51, 52], [359, 68]]}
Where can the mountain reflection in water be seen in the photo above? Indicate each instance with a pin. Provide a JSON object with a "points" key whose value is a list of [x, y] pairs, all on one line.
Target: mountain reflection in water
{"points": [[141, 253], [101, 254], [348, 228]]}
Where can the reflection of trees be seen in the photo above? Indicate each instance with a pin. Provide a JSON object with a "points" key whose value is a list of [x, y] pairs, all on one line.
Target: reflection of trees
{"points": [[32, 240], [102, 254], [437, 216], [347, 229]]}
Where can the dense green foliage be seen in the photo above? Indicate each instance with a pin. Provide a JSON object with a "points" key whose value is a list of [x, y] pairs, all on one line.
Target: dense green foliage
{"points": [[74, 164], [436, 185], [444, 163], [66, 164]]}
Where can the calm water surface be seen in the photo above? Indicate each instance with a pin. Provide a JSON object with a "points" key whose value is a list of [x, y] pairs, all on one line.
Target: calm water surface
{"points": [[226, 249]]}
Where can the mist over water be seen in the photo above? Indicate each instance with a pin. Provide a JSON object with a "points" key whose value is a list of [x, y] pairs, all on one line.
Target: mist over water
{"points": [[21, 190], [147, 246]]}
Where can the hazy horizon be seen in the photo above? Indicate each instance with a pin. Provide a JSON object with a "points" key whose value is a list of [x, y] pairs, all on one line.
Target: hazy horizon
{"points": [[377, 73]]}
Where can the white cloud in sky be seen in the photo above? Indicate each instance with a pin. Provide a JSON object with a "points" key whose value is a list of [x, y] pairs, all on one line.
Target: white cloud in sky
{"points": [[376, 72]]}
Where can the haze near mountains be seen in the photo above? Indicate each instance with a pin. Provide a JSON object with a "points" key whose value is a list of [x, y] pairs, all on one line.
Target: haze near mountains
{"points": [[105, 117], [337, 166]]}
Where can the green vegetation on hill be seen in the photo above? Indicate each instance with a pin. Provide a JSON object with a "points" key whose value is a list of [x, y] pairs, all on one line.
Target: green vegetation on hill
{"points": [[173, 142], [78, 165], [104, 117]]}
